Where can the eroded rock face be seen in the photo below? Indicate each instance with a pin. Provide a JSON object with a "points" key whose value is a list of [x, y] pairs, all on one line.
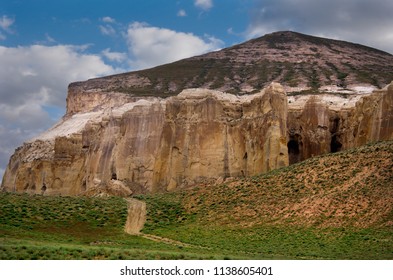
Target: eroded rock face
{"points": [[143, 145], [329, 123], [151, 144]]}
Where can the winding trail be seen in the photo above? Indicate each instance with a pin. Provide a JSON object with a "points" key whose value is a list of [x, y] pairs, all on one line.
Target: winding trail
{"points": [[169, 241]]}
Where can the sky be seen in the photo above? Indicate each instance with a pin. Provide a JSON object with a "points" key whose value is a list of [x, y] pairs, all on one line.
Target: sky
{"points": [[47, 44]]}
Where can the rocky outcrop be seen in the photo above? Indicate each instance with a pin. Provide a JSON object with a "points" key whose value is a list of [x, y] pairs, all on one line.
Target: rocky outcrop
{"points": [[148, 145], [136, 216], [319, 124], [152, 144]]}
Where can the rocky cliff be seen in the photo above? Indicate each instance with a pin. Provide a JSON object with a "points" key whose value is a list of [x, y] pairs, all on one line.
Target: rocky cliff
{"points": [[153, 144], [319, 124], [147, 131]]}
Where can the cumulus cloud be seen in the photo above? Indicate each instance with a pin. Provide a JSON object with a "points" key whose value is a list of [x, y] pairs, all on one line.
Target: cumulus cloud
{"points": [[33, 81], [151, 46], [118, 57], [108, 20], [44, 72], [361, 21], [204, 4], [110, 27]]}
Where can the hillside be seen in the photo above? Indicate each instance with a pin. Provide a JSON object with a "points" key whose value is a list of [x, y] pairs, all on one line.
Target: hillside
{"points": [[299, 62], [349, 189], [333, 206], [336, 206], [39, 227]]}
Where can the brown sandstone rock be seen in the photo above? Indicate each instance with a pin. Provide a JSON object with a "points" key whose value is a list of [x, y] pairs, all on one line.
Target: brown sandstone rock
{"points": [[321, 124], [151, 145], [136, 216]]}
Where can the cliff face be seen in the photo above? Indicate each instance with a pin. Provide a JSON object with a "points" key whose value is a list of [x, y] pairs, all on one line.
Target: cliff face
{"points": [[149, 145], [330, 123], [152, 144]]}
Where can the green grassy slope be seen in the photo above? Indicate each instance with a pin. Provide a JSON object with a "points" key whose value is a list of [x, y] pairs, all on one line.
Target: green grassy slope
{"points": [[336, 206], [42, 227]]}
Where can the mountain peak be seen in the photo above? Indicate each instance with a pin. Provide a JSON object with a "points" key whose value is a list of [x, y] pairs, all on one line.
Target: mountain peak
{"points": [[285, 37], [301, 63]]}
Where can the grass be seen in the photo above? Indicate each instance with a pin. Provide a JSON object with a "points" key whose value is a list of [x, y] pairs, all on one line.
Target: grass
{"points": [[336, 206], [290, 242], [42, 227]]}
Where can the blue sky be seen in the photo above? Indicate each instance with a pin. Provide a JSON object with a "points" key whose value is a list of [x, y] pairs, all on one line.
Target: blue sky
{"points": [[103, 24], [46, 44]]}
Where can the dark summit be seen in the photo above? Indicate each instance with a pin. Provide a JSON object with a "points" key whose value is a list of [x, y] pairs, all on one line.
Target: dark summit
{"points": [[292, 59]]}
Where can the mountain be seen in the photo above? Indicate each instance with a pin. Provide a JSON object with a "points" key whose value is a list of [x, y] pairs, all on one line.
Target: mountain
{"points": [[301, 63], [241, 111]]}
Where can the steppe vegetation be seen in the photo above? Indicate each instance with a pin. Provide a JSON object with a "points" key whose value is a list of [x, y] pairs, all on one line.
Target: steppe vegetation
{"points": [[336, 206]]}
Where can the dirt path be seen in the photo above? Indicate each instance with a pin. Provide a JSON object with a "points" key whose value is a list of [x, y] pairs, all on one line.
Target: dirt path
{"points": [[168, 241]]}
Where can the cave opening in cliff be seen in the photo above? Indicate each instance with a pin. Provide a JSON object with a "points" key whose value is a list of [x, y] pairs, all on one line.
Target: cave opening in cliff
{"points": [[293, 151], [335, 144]]}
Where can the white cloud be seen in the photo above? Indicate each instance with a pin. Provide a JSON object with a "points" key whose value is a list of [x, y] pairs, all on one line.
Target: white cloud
{"points": [[181, 13], [114, 56], [151, 46], [204, 4], [108, 28], [33, 79], [26, 70], [360, 21], [108, 20]]}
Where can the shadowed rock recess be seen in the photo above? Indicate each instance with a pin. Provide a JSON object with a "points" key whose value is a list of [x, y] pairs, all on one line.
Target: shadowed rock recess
{"points": [[240, 111]]}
